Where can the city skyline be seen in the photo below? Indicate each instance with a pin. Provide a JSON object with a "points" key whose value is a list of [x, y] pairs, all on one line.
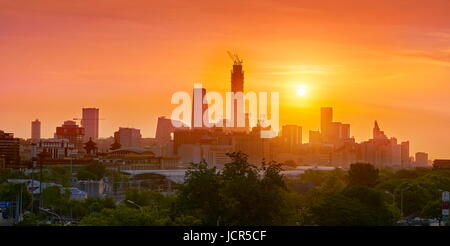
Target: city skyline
{"points": [[365, 67], [305, 131], [194, 114]]}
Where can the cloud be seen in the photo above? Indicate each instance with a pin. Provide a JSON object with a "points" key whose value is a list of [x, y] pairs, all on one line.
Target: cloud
{"points": [[438, 57]]}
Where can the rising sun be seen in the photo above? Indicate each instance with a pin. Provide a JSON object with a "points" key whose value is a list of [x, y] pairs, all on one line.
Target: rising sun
{"points": [[302, 90]]}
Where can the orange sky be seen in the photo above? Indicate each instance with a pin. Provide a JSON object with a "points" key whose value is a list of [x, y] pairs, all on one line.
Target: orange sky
{"points": [[384, 60]]}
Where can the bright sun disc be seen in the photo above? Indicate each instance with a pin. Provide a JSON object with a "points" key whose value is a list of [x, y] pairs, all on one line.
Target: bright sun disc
{"points": [[301, 91]]}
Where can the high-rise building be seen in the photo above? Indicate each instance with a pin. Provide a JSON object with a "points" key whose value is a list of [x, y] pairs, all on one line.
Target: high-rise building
{"points": [[9, 150], [326, 119], [89, 122], [128, 137], [35, 130], [315, 137], [377, 133], [165, 129], [383, 151], [405, 154], [237, 85], [345, 131], [335, 131], [198, 107], [421, 159], [237, 76], [291, 136], [71, 131]]}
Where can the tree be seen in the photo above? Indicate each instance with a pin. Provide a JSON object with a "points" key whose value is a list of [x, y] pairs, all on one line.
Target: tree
{"points": [[91, 172], [365, 195], [200, 195], [60, 175], [126, 216], [242, 194], [415, 197], [355, 206], [363, 174], [147, 198], [432, 210], [33, 219], [334, 180], [7, 173], [115, 178], [57, 199], [15, 192]]}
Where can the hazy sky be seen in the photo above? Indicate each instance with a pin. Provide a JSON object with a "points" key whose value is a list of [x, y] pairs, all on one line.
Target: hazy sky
{"points": [[370, 60]]}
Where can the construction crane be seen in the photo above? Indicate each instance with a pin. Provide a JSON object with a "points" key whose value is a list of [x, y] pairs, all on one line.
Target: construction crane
{"points": [[235, 58], [86, 119]]}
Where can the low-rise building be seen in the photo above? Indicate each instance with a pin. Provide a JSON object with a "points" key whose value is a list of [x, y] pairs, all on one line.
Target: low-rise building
{"points": [[9, 150]]}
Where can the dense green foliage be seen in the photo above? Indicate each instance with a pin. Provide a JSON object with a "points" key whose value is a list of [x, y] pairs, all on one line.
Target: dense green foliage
{"points": [[363, 174], [15, 192], [369, 196], [91, 172], [242, 194]]}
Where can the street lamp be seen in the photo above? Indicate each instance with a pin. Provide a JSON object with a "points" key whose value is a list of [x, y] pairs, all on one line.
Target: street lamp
{"points": [[393, 205], [41, 158], [135, 204], [401, 198], [52, 213]]}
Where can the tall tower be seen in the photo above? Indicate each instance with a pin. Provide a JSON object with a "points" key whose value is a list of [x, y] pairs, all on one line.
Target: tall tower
{"points": [[90, 123], [198, 107], [326, 119], [237, 81], [35, 131], [237, 75], [377, 133], [292, 136], [405, 154]]}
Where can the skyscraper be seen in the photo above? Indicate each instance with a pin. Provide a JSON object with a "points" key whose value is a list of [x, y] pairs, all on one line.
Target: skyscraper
{"points": [[35, 130], [237, 84], [237, 76], [405, 154], [377, 133], [345, 131], [292, 136], [315, 138], [198, 107], [90, 123], [421, 159], [326, 119]]}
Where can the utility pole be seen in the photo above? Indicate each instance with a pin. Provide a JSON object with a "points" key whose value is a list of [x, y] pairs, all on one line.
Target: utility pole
{"points": [[41, 157], [401, 199], [33, 165]]}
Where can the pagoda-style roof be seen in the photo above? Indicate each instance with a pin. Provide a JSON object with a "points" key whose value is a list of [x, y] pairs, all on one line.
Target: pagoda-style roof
{"points": [[115, 145]]}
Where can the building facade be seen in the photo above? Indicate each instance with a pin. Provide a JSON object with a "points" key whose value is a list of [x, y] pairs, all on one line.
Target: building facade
{"points": [[90, 123], [57, 148], [9, 150], [35, 131], [71, 131], [128, 137]]}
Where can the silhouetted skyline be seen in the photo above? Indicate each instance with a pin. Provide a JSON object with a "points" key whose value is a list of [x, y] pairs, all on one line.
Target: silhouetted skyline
{"points": [[368, 61]]}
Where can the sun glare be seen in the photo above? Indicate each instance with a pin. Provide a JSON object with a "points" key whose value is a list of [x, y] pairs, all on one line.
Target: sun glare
{"points": [[302, 90]]}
